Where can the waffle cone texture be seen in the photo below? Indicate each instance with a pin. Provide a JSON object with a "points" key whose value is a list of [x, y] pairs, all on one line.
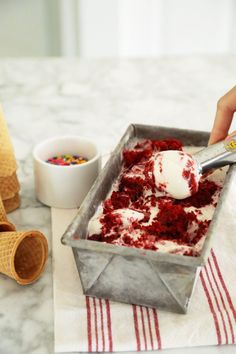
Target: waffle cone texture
{"points": [[7, 162], [23, 255], [12, 203], [5, 224], [9, 186]]}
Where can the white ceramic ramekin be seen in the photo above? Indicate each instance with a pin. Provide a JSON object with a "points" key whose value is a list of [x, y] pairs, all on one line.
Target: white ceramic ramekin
{"points": [[65, 186]]}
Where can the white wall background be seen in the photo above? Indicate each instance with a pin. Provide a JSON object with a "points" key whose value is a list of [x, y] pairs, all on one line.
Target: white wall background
{"points": [[141, 28], [116, 28], [28, 28]]}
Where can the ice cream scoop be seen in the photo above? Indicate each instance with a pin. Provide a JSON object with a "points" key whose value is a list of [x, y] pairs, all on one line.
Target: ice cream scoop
{"points": [[217, 155], [177, 173]]}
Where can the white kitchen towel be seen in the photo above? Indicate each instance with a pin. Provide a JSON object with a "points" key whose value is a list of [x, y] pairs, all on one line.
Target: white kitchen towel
{"points": [[91, 325]]}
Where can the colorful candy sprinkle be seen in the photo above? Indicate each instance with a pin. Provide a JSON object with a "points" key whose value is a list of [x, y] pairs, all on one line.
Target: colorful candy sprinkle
{"points": [[67, 160]]}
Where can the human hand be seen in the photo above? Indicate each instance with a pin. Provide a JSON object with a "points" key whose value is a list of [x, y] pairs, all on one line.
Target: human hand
{"points": [[226, 106]]}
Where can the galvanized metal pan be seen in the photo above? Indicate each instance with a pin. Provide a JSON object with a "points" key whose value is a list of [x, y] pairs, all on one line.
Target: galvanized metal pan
{"points": [[129, 275]]}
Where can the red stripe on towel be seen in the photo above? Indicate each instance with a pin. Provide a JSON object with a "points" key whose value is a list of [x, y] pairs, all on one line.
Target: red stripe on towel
{"points": [[223, 284], [102, 324], [217, 305], [89, 331], [217, 328], [149, 327], [95, 322], [157, 328], [223, 302], [136, 329], [143, 328], [109, 325]]}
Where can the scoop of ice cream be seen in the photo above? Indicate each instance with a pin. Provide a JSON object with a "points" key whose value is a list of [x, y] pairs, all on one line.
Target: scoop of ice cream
{"points": [[176, 174], [128, 216], [125, 217]]}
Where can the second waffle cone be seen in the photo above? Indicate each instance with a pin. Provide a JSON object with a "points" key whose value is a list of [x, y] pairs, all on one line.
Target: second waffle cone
{"points": [[23, 255]]}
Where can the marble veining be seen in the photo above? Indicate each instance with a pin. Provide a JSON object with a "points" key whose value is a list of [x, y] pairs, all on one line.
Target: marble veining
{"points": [[98, 99]]}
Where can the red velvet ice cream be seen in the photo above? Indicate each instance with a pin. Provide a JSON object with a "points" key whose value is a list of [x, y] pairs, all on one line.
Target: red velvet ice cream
{"points": [[139, 211]]}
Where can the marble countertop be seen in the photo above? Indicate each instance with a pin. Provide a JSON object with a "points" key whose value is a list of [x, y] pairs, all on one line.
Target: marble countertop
{"points": [[97, 99]]}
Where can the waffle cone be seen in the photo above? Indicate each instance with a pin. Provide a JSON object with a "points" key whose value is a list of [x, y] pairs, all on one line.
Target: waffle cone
{"points": [[7, 162], [9, 186], [5, 225], [23, 255], [12, 203]]}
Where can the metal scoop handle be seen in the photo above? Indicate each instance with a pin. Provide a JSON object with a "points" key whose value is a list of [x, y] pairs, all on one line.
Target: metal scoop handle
{"points": [[217, 155]]}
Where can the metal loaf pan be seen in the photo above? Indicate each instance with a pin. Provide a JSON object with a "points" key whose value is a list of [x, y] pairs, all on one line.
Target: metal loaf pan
{"points": [[129, 275]]}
